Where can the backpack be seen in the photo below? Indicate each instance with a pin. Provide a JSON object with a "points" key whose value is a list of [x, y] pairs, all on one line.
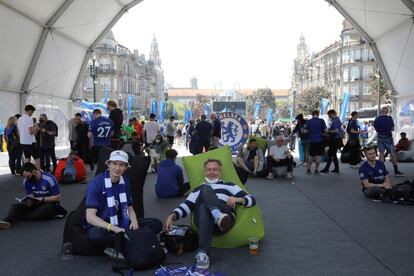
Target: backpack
{"points": [[180, 239], [69, 172], [141, 249]]}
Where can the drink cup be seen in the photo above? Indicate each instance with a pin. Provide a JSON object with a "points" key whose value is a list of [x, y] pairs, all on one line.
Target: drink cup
{"points": [[254, 246]]}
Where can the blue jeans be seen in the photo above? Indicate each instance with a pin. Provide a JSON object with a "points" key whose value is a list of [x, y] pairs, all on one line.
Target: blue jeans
{"points": [[104, 239]]}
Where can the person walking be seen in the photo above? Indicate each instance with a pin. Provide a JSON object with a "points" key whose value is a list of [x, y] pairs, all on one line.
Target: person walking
{"points": [[334, 136]]}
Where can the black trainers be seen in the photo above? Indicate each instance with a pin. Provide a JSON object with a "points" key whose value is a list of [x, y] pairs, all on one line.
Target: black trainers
{"points": [[324, 171], [398, 174], [335, 171], [316, 172]]}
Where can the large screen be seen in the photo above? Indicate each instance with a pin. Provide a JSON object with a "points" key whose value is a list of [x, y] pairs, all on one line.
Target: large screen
{"points": [[238, 107]]}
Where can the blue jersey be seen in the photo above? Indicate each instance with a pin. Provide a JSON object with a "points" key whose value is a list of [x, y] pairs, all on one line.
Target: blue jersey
{"points": [[336, 124], [316, 129], [353, 124], [47, 186], [375, 175], [384, 125], [101, 129], [96, 196]]}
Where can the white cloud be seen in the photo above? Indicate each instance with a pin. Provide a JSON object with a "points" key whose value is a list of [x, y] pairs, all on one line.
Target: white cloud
{"points": [[229, 43]]}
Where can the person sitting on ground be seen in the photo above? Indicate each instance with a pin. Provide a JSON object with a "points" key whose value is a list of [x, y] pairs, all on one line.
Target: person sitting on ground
{"points": [[137, 145], [376, 183], [170, 179], [157, 151], [403, 144], [41, 201], [279, 156], [251, 158], [109, 205], [214, 204]]}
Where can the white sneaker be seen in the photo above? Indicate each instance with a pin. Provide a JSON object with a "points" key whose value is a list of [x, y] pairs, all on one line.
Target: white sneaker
{"points": [[270, 176], [289, 175], [111, 253], [202, 260], [224, 222], [4, 224]]}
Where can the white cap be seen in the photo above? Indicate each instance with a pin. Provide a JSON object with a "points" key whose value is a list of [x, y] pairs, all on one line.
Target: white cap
{"points": [[118, 155]]}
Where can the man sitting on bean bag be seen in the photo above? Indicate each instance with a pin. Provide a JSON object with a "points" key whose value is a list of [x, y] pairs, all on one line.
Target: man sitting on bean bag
{"points": [[214, 204]]}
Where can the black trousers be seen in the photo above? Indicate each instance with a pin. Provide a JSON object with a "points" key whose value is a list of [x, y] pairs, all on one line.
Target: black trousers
{"points": [[332, 157], [203, 142], [84, 153], [355, 150], [207, 201], [170, 140], [45, 156], [15, 159], [288, 162], [40, 211]]}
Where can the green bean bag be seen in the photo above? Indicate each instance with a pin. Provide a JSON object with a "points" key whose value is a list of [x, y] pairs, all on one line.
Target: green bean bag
{"points": [[261, 143], [249, 221]]}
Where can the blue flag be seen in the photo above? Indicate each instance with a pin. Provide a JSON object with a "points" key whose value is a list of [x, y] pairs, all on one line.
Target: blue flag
{"points": [[269, 116], [344, 107], [130, 100], [324, 105], [257, 107], [162, 110], [154, 107], [207, 109]]}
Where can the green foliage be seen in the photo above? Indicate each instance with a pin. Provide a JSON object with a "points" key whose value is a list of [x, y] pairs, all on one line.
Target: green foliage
{"points": [[384, 90], [282, 108], [311, 99]]}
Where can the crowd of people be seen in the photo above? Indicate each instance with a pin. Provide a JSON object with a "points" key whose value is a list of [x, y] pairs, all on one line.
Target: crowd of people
{"points": [[109, 199]]}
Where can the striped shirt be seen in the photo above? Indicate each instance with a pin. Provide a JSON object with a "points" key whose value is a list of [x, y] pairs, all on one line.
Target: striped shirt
{"points": [[223, 190]]}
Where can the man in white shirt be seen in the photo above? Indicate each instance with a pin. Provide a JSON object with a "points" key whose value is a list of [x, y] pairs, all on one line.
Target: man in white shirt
{"points": [[279, 156], [26, 130], [170, 130], [151, 130]]}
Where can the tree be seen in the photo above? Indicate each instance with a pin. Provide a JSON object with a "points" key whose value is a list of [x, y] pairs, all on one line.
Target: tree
{"points": [[265, 97], [282, 108], [311, 99], [384, 90]]}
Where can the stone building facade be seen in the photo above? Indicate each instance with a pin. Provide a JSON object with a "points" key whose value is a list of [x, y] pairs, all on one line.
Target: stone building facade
{"points": [[346, 65], [121, 73]]}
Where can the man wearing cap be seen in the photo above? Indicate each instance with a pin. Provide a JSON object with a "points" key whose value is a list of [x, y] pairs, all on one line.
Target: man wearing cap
{"points": [[109, 204]]}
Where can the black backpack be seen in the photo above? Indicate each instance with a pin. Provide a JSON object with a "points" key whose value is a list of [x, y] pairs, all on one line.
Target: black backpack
{"points": [[141, 249], [180, 239]]}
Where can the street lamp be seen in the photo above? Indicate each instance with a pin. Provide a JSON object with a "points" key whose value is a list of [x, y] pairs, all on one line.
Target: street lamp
{"points": [[93, 72], [378, 76]]}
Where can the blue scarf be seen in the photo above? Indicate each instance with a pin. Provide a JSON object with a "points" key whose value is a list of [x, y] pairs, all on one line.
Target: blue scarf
{"points": [[123, 203]]}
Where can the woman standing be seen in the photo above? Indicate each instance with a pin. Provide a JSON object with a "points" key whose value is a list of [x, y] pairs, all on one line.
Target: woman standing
{"points": [[13, 146]]}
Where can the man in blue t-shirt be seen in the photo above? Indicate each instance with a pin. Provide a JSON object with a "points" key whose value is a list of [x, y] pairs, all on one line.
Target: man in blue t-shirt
{"points": [[334, 140], [316, 128], [100, 133], [41, 201], [170, 180], [109, 205], [384, 126]]}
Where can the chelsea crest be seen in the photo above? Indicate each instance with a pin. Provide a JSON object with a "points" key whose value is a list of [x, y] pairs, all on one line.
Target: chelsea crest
{"points": [[234, 130]]}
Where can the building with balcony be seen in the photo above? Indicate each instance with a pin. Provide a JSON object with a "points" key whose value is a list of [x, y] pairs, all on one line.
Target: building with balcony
{"points": [[121, 73]]}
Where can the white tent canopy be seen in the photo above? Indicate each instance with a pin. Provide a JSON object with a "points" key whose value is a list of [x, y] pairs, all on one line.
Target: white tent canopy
{"points": [[388, 26], [46, 45], [45, 48]]}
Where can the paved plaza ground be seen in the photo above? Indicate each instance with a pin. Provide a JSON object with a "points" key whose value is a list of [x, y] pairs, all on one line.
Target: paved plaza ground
{"points": [[320, 225]]}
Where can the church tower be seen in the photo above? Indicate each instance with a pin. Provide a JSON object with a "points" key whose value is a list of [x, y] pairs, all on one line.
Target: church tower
{"points": [[154, 53]]}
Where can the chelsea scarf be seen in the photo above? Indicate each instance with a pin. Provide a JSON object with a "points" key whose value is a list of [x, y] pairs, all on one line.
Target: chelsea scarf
{"points": [[123, 204]]}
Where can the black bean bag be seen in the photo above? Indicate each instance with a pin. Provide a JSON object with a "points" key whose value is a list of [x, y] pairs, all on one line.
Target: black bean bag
{"points": [[77, 235]]}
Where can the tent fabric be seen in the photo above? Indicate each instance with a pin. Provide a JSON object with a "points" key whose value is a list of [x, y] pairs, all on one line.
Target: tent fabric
{"points": [[46, 45], [45, 49]]}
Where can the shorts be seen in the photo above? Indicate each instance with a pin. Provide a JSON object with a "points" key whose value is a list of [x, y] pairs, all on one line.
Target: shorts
{"points": [[316, 149], [386, 143], [30, 151]]}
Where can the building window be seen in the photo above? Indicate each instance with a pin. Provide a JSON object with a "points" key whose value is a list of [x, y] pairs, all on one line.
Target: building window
{"points": [[367, 90], [366, 104], [345, 88], [346, 74], [105, 83], [364, 54], [345, 56], [88, 84], [371, 55], [354, 91], [358, 55], [354, 73], [367, 72], [115, 84], [353, 106], [351, 56], [115, 65], [104, 63], [347, 38]]}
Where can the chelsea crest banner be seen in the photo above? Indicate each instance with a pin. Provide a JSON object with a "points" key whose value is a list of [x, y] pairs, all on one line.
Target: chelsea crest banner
{"points": [[234, 130]]}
